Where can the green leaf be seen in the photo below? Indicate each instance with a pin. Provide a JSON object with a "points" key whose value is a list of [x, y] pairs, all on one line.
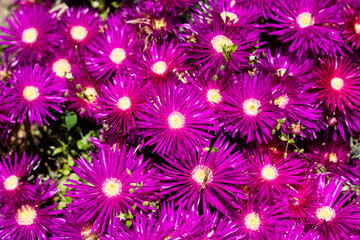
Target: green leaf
{"points": [[134, 206], [285, 155], [291, 141], [215, 77], [273, 132], [133, 184], [301, 151], [131, 190], [214, 149], [278, 127], [128, 223], [206, 149], [233, 48], [145, 203], [70, 120], [128, 171], [283, 138]]}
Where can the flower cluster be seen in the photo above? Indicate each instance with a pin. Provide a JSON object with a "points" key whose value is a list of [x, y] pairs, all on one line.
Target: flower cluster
{"points": [[211, 119]]}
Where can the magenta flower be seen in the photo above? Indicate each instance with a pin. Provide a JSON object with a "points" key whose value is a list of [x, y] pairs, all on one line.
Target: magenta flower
{"points": [[258, 217], [351, 30], [34, 91], [161, 60], [210, 177], [111, 188], [30, 219], [330, 217], [112, 50], [14, 187], [79, 25], [207, 52], [310, 26], [338, 84], [247, 108], [274, 178], [83, 96], [120, 102], [32, 34], [334, 156], [175, 116]]}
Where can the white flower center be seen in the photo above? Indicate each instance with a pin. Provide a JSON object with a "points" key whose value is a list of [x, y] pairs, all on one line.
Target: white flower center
{"points": [[337, 83], [305, 19], [202, 175], [159, 23], [251, 106], [252, 221], [325, 213], [333, 158], [25, 215], [112, 187], [159, 67], [357, 28], [31, 93], [219, 41], [213, 96], [61, 66], [124, 103], [117, 55], [11, 182], [29, 35], [231, 16], [90, 94], [78, 33], [269, 172], [176, 120], [282, 101]]}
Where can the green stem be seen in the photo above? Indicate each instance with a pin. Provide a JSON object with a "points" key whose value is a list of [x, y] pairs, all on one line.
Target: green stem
{"points": [[86, 71]]}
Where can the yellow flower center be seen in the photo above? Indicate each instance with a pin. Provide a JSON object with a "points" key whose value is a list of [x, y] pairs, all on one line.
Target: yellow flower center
{"points": [[112, 187], [159, 23], [213, 96], [202, 175], [219, 41], [78, 33], [90, 94], [29, 35], [282, 101], [251, 106], [231, 16], [86, 233], [31, 93], [333, 158], [117, 55], [305, 20], [176, 120], [357, 28], [337, 83], [269, 172], [124, 103], [61, 66], [159, 67], [252, 221], [325, 213], [11, 182], [25, 215]]}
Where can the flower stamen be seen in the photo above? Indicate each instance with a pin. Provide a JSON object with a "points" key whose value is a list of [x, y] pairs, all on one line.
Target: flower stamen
{"points": [[176, 120], [78, 33], [124, 103], [337, 83], [31, 93], [214, 96], [25, 215], [202, 175], [112, 187], [269, 172], [61, 66], [251, 106], [305, 19], [253, 221], [117, 55], [29, 35], [219, 41], [11, 182], [325, 213]]}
